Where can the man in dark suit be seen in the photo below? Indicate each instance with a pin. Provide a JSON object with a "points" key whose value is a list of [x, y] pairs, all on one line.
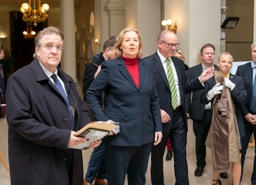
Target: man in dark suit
{"points": [[173, 118], [248, 72], [97, 166], [198, 112], [91, 69], [44, 110]]}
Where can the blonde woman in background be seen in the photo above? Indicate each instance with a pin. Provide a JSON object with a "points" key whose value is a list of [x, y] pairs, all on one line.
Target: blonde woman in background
{"points": [[180, 54], [226, 93]]}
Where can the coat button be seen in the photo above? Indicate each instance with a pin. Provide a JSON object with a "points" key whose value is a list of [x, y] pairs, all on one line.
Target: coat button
{"points": [[65, 119]]}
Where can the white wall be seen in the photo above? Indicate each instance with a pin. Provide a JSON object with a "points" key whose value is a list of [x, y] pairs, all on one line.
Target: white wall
{"points": [[198, 23]]}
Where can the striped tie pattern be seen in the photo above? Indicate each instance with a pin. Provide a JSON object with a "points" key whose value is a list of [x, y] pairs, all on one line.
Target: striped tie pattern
{"points": [[172, 85]]}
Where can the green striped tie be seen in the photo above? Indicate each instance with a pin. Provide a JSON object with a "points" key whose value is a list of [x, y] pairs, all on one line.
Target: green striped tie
{"points": [[172, 85]]}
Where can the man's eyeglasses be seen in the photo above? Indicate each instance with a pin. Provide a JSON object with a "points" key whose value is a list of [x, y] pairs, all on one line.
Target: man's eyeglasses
{"points": [[50, 47], [171, 44]]}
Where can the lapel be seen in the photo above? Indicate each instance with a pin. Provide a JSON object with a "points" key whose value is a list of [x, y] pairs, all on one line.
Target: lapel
{"points": [[124, 71], [159, 67], [249, 72], [142, 71]]}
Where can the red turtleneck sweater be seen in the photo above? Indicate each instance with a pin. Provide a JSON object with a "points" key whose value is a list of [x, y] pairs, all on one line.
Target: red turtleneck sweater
{"points": [[132, 64]]}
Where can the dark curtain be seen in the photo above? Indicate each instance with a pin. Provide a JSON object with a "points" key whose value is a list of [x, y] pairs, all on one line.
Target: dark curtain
{"points": [[22, 49]]}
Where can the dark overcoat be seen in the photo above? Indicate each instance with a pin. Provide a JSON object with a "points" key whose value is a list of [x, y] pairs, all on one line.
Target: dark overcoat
{"points": [[40, 127]]}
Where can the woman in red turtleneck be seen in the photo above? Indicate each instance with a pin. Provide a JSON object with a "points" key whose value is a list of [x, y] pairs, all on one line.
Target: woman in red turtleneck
{"points": [[130, 99]]}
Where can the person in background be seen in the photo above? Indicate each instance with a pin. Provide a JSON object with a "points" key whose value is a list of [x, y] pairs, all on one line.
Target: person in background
{"points": [[227, 93], [200, 113], [2, 72], [171, 84], [97, 166], [248, 72], [181, 55], [92, 67], [130, 99], [44, 110]]}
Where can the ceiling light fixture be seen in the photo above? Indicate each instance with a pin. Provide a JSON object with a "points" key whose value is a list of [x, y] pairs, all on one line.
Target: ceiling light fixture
{"points": [[31, 14]]}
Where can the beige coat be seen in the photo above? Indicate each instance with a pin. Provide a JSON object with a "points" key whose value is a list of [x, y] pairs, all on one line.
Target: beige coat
{"points": [[223, 137]]}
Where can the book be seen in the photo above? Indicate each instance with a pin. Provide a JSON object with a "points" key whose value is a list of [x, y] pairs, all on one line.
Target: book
{"points": [[93, 131]]}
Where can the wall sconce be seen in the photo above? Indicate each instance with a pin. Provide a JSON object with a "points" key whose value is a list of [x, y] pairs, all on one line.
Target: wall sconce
{"points": [[230, 23], [168, 24], [97, 42]]}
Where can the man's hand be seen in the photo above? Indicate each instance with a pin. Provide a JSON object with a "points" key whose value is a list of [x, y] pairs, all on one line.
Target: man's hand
{"points": [[164, 116], [158, 138], [188, 116], [73, 140], [251, 118], [206, 75]]}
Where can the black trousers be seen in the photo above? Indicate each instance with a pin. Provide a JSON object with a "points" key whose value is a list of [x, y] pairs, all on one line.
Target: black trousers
{"points": [[201, 129], [130, 160], [249, 130], [178, 136]]}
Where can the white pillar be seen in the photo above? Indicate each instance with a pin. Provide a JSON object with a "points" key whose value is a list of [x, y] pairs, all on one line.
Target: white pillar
{"points": [[222, 32], [116, 17], [67, 25], [145, 15]]}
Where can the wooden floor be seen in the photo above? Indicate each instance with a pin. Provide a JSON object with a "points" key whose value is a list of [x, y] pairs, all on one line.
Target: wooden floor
{"points": [[206, 179]]}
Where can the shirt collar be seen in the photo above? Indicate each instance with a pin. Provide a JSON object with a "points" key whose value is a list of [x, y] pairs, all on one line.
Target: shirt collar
{"points": [[253, 64], [162, 58], [47, 72], [203, 66]]}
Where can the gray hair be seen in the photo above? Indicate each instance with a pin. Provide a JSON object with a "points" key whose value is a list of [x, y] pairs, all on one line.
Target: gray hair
{"points": [[253, 44], [51, 30]]}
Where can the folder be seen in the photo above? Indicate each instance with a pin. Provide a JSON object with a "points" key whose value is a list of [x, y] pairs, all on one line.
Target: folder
{"points": [[93, 131]]}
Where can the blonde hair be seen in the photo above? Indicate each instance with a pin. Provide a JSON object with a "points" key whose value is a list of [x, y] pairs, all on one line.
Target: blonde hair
{"points": [[120, 39], [181, 52], [225, 54]]}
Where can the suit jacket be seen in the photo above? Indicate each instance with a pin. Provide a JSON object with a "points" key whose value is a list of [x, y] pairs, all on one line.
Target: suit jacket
{"points": [[39, 128], [90, 71], [238, 95], [163, 88], [194, 106], [135, 108], [246, 72]]}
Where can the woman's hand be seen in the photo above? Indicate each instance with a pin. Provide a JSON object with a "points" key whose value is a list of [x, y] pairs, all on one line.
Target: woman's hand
{"points": [[214, 91], [112, 132], [158, 138], [73, 140]]}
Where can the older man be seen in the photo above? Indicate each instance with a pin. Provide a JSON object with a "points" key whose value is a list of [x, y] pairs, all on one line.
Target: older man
{"points": [[171, 84], [43, 110], [248, 72]]}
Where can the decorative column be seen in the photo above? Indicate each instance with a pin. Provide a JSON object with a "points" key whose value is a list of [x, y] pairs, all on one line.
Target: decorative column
{"points": [[116, 17], [67, 25]]}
